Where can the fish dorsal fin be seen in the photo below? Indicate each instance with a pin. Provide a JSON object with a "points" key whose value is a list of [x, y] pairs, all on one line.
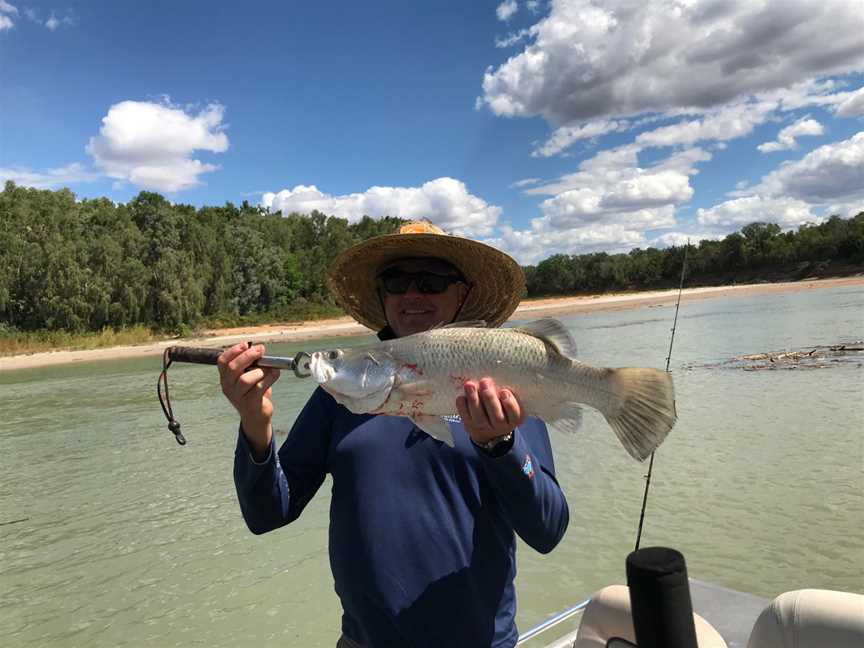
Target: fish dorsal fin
{"points": [[553, 333], [465, 324]]}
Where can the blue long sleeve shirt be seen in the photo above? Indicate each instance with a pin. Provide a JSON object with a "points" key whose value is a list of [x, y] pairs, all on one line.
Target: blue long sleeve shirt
{"points": [[422, 543]]}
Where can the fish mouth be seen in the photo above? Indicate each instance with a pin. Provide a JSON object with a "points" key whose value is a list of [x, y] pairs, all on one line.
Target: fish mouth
{"points": [[365, 404]]}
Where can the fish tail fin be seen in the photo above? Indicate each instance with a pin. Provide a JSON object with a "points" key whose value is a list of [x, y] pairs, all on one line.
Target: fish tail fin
{"points": [[645, 411]]}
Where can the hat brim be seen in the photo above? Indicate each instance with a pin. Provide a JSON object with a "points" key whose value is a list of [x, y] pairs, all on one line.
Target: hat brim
{"points": [[497, 281]]}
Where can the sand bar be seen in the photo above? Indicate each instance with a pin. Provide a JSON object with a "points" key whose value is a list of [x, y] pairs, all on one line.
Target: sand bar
{"points": [[343, 326]]}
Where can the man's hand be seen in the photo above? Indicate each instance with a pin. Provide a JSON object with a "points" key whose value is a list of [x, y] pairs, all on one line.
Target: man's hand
{"points": [[249, 392], [488, 412]]}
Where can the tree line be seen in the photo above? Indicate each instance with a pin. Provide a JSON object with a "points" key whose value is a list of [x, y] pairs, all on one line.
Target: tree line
{"points": [[759, 251], [86, 265]]}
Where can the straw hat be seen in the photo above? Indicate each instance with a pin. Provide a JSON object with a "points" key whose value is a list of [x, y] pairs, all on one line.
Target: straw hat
{"points": [[497, 282]]}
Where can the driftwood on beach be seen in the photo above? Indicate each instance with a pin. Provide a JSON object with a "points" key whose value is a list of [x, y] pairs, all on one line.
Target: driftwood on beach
{"points": [[819, 357]]}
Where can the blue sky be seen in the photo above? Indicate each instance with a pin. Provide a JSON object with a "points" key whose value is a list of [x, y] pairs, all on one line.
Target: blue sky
{"points": [[540, 127]]}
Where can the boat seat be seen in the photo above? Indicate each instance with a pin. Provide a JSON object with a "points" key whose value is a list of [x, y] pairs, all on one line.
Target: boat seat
{"points": [[811, 618], [608, 616]]}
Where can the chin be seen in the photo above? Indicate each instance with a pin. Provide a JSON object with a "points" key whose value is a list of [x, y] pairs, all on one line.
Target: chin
{"points": [[416, 326]]}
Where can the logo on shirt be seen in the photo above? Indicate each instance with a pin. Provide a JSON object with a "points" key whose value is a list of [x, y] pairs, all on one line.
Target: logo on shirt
{"points": [[528, 467]]}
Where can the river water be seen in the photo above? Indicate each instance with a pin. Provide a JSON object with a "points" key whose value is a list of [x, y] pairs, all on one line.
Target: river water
{"points": [[125, 538]]}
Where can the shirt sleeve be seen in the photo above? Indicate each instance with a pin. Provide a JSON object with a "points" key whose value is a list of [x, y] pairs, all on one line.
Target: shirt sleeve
{"points": [[273, 492], [524, 479]]}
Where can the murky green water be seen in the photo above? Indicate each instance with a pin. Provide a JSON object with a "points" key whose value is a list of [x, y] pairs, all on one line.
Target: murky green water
{"points": [[128, 539]]}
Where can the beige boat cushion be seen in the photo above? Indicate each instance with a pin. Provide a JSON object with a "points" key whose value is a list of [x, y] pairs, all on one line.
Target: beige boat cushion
{"points": [[608, 615], [811, 618]]}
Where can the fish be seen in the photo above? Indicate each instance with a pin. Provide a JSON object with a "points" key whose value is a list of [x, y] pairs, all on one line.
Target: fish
{"points": [[419, 376]]}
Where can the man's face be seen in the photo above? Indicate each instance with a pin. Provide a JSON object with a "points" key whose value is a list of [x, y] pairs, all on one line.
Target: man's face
{"points": [[416, 310]]}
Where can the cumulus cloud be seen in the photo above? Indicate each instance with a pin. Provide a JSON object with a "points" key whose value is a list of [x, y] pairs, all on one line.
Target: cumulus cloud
{"points": [[726, 123], [611, 203], [828, 180], [532, 245], [617, 59], [852, 105], [506, 10], [51, 179], [670, 239], [734, 214], [6, 11], [151, 144], [833, 172], [786, 137], [444, 201]]}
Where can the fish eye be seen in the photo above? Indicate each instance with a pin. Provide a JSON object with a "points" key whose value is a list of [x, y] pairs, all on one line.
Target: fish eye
{"points": [[333, 355]]}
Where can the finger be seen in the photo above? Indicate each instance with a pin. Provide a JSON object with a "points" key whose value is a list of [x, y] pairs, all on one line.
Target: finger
{"points": [[476, 413], [270, 377], [228, 355], [492, 404], [241, 362], [462, 408], [248, 380], [512, 408]]}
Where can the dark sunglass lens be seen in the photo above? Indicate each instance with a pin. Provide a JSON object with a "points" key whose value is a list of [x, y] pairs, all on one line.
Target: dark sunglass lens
{"points": [[425, 282], [433, 284], [397, 284]]}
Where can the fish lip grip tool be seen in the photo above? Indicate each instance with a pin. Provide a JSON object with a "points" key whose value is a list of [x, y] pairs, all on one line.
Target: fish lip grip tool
{"points": [[299, 364]]}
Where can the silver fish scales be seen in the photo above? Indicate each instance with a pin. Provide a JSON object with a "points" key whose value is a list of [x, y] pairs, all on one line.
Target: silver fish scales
{"points": [[420, 376]]}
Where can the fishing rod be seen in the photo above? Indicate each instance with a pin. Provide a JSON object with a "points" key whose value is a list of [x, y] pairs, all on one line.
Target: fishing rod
{"points": [[668, 359], [299, 364]]}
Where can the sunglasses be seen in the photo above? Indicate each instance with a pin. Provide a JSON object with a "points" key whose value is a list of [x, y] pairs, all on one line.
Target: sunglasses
{"points": [[428, 283]]}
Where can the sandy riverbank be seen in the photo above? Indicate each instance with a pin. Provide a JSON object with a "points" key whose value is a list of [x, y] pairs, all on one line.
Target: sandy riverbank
{"points": [[343, 326]]}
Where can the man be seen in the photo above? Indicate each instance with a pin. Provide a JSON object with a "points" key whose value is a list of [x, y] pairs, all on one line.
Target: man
{"points": [[422, 543]]}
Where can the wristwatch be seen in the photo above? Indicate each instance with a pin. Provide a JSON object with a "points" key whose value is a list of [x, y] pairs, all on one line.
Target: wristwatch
{"points": [[492, 444]]}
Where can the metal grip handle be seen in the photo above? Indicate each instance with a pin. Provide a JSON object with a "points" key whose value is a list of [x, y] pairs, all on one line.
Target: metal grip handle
{"points": [[198, 355]]}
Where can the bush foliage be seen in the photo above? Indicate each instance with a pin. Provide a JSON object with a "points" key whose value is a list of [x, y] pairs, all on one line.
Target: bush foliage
{"points": [[93, 265]]}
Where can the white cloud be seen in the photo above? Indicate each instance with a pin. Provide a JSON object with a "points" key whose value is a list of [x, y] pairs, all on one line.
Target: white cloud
{"points": [[150, 144], [828, 180], [537, 243], [565, 136], [610, 204], [729, 122], [53, 22], [734, 214], [51, 179], [506, 10], [786, 137], [833, 172], [683, 238], [527, 182], [591, 60], [7, 10], [508, 41], [444, 201], [852, 105]]}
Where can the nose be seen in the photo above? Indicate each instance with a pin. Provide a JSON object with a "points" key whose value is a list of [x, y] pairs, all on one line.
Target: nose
{"points": [[412, 289]]}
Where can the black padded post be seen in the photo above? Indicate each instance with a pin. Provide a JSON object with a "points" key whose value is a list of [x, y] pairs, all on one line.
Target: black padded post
{"points": [[660, 599]]}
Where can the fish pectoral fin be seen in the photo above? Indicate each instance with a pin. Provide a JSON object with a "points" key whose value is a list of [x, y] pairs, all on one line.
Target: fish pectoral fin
{"points": [[567, 419], [434, 426], [553, 333], [415, 389]]}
